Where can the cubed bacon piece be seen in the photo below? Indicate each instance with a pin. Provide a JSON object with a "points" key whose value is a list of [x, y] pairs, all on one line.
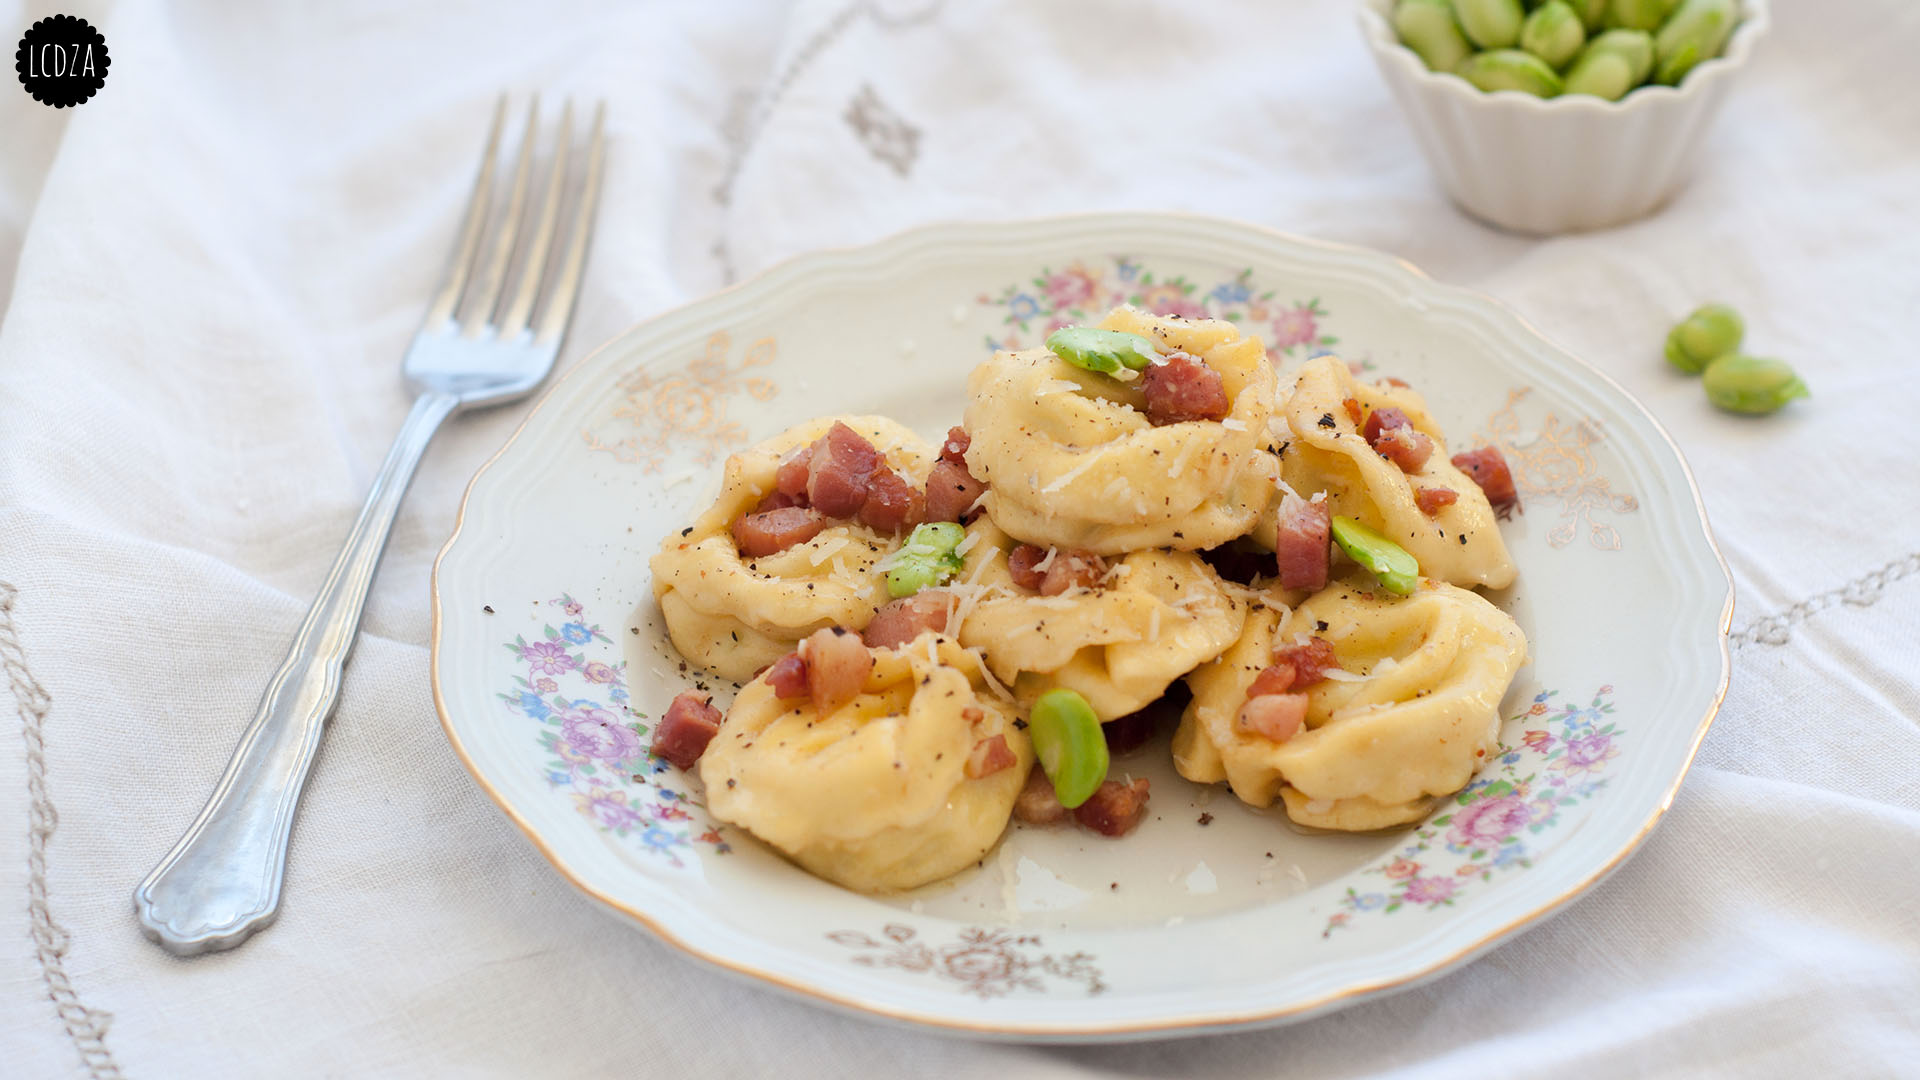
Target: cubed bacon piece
{"points": [[837, 667], [892, 505], [1488, 469], [838, 471], [1302, 540], [1432, 500], [1073, 569], [1383, 420], [1033, 568], [902, 620], [1405, 447], [990, 756], [1310, 662], [1037, 804], [774, 531], [955, 448], [1273, 716], [689, 725], [1352, 405], [788, 676], [1273, 679], [1115, 809], [1181, 388], [1022, 563], [951, 491], [791, 479]]}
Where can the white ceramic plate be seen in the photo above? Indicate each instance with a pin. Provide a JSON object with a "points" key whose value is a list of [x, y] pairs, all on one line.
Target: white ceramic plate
{"points": [[549, 656]]}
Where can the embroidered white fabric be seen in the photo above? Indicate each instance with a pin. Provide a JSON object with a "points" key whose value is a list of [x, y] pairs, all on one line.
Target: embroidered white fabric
{"points": [[210, 270]]}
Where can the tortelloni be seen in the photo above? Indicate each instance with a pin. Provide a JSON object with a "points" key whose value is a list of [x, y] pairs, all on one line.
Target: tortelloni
{"points": [[1072, 458], [1378, 750], [877, 794], [1119, 644], [1458, 543], [734, 615]]}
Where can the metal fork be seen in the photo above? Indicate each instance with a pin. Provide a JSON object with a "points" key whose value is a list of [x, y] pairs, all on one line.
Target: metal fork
{"points": [[476, 347]]}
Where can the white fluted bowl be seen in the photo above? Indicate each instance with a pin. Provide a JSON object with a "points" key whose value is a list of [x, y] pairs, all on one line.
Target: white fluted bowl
{"points": [[1560, 164]]}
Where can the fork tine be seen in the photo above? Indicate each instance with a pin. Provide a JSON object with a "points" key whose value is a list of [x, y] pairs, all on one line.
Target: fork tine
{"points": [[480, 308], [566, 289], [448, 297], [538, 245]]}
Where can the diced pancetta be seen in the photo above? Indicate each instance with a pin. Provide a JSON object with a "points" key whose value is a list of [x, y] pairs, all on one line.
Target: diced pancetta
{"points": [[774, 531], [900, 621], [1115, 809], [683, 733], [1488, 469], [1273, 716], [1180, 388], [1304, 531], [989, 756], [837, 667]]}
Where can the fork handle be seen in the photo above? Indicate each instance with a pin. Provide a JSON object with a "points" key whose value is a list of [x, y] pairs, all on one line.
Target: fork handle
{"points": [[221, 882]]}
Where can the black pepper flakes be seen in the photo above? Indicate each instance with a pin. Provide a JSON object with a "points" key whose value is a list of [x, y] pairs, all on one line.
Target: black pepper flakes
{"points": [[488, 608], [1463, 539], [1019, 723], [688, 531], [1206, 818], [730, 781], [1320, 625], [1327, 420]]}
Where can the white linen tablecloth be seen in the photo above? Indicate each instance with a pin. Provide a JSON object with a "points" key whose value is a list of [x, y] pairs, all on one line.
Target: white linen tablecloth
{"points": [[209, 273]]}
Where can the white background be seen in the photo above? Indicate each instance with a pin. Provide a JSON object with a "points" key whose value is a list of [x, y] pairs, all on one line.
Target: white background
{"points": [[209, 273]]}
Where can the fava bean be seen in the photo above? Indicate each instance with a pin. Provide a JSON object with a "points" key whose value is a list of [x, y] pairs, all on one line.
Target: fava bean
{"points": [[1106, 351], [1710, 332], [1069, 744], [1612, 64], [927, 559], [1490, 24], [1428, 28], [1754, 385], [1397, 570], [1696, 33], [1638, 14], [1510, 69], [1553, 33]]}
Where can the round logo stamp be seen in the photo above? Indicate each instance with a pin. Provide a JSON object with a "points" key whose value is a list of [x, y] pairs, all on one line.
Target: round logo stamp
{"points": [[62, 61]]}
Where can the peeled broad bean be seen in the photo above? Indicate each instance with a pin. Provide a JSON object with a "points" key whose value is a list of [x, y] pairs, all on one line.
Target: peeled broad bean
{"points": [[1638, 14], [1395, 568], [1553, 33], [1510, 69], [1712, 331], [1754, 385], [1428, 28], [1071, 747], [1490, 24], [1593, 13], [926, 559], [1696, 33], [1106, 351], [1612, 64]]}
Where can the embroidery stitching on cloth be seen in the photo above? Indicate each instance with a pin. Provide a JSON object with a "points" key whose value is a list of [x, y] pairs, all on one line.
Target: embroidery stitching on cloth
{"points": [[1863, 591], [86, 1027]]}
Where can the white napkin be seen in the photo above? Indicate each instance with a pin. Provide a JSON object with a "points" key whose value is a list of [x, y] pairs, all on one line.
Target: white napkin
{"points": [[209, 273]]}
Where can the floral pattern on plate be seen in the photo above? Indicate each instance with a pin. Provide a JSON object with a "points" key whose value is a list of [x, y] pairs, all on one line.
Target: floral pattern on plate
{"points": [[1556, 461], [1493, 819], [596, 752], [984, 962], [1081, 293]]}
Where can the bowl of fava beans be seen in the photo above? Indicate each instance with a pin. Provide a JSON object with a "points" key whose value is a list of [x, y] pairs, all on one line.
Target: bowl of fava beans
{"points": [[1552, 116]]}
